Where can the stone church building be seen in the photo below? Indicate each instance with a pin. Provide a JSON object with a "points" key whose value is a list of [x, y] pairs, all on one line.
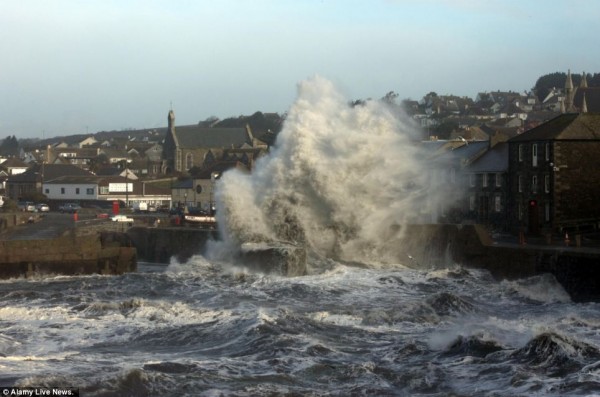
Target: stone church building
{"points": [[190, 146]]}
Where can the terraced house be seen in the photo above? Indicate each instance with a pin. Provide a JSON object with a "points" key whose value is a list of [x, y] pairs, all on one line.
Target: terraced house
{"points": [[554, 172]]}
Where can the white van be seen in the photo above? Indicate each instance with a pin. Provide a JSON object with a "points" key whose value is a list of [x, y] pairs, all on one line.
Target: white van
{"points": [[140, 207]]}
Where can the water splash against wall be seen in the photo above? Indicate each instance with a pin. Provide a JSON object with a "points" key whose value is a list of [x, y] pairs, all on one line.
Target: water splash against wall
{"points": [[339, 179]]}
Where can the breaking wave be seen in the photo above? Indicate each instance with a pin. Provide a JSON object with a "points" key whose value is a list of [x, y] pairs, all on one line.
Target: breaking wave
{"points": [[339, 180]]}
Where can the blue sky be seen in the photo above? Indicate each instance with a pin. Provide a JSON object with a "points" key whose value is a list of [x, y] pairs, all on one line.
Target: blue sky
{"points": [[73, 66]]}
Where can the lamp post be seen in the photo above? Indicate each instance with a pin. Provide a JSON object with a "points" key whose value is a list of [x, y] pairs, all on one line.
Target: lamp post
{"points": [[213, 177], [126, 188], [126, 168]]}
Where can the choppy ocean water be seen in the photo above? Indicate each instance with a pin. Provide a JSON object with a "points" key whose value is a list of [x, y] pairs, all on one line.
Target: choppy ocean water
{"points": [[210, 329]]}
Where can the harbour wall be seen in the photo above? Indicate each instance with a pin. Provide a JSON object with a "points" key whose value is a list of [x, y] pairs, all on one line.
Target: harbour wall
{"points": [[160, 244], [577, 269], [94, 246], [102, 253], [70, 252]]}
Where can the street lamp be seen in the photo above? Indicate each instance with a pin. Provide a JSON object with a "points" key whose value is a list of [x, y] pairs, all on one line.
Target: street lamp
{"points": [[213, 177], [126, 168]]}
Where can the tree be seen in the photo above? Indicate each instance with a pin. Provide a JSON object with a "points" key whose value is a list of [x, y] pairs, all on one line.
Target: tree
{"points": [[546, 83], [390, 98], [9, 147], [593, 81], [443, 130]]}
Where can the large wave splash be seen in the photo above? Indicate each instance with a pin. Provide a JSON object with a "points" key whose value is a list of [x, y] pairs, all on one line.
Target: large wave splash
{"points": [[339, 179]]}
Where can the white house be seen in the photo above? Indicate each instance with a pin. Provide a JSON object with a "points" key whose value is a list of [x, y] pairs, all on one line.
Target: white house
{"points": [[91, 189], [75, 188]]}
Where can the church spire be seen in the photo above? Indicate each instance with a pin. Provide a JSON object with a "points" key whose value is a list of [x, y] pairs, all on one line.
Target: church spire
{"points": [[584, 105], [583, 81], [171, 118], [569, 82], [569, 94]]}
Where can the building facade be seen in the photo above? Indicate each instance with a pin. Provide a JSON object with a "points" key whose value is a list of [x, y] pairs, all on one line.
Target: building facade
{"points": [[188, 147], [487, 188], [554, 177]]}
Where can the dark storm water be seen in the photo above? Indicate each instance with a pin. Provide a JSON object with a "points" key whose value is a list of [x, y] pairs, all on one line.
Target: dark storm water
{"points": [[209, 329]]}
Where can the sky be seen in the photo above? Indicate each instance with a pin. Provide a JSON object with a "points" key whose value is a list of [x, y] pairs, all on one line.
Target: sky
{"points": [[75, 67]]}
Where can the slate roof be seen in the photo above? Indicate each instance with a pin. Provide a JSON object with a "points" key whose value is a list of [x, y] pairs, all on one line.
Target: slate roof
{"points": [[195, 137], [457, 151], [51, 171], [494, 160], [14, 162], [184, 184], [74, 180], [568, 126], [468, 153]]}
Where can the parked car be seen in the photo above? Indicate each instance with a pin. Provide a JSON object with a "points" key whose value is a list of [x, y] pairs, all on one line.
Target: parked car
{"points": [[26, 206], [69, 208], [41, 207], [121, 218]]}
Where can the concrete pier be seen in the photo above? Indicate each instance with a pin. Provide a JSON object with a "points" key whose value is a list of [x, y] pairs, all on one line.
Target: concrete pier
{"points": [[39, 245]]}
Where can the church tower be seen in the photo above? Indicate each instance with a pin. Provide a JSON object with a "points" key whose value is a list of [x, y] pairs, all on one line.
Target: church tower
{"points": [[569, 93], [170, 145], [171, 119]]}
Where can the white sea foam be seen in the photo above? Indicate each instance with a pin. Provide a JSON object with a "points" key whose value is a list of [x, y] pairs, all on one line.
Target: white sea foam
{"points": [[338, 179], [542, 288]]}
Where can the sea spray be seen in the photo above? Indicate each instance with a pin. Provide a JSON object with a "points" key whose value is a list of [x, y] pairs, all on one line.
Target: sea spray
{"points": [[338, 179]]}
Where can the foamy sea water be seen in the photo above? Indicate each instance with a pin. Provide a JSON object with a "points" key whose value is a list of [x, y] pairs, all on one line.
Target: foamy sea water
{"points": [[212, 329]]}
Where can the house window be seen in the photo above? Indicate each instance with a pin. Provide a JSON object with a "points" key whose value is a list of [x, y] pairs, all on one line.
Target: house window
{"points": [[76, 190], [547, 183], [520, 152], [498, 180], [472, 180], [497, 204], [534, 183], [534, 154], [472, 203], [547, 211], [484, 180], [103, 189], [62, 190], [89, 191], [520, 211], [520, 183], [189, 161], [47, 191], [547, 152]]}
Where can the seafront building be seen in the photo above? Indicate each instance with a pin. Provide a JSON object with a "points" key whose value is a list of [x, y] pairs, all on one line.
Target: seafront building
{"points": [[513, 162]]}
